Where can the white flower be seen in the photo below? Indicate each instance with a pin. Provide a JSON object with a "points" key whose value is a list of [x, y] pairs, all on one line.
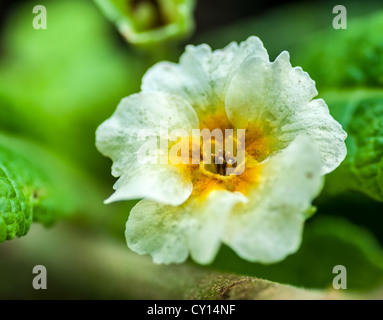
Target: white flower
{"points": [[291, 142]]}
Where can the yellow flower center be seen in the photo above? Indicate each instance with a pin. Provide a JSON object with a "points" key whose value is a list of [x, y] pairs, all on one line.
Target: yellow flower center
{"points": [[220, 163], [215, 175]]}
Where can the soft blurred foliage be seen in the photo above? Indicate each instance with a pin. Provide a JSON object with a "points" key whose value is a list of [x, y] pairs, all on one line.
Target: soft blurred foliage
{"points": [[57, 85]]}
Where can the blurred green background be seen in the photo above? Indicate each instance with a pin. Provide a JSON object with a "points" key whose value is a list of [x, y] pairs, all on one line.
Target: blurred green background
{"points": [[57, 85]]}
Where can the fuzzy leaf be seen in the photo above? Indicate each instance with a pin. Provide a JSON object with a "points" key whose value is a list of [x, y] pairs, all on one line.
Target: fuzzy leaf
{"points": [[361, 114], [347, 66], [34, 186]]}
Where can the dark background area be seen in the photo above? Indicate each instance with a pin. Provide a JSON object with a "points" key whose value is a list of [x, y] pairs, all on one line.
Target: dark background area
{"points": [[209, 14]]}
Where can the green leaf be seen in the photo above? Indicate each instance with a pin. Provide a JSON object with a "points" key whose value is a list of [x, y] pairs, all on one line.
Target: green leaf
{"points": [[34, 186], [327, 242], [347, 66], [345, 58], [360, 112]]}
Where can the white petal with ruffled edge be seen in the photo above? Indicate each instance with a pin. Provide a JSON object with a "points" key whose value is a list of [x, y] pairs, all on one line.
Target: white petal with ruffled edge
{"points": [[269, 227], [163, 183], [202, 75], [117, 139], [170, 233], [279, 97]]}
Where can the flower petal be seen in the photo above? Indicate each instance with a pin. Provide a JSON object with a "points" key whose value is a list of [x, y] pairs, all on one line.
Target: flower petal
{"points": [[279, 98], [119, 138], [269, 227], [202, 75], [163, 183], [169, 233]]}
